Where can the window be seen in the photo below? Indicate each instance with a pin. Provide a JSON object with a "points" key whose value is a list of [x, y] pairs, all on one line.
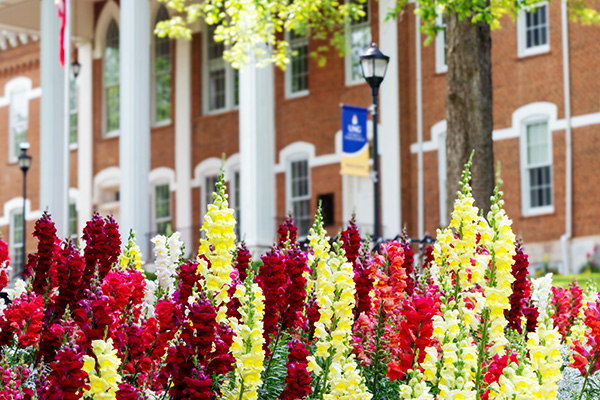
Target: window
{"points": [[299, 195], [296, 74], [162, 74], [536, 173], [111, 79], [533, 30], [210, 186], [441, 46], [162, 209], [221, 80], [72, 111], [18, 120], [16, 242], [359, 40], [327, 208], [73, 235]]}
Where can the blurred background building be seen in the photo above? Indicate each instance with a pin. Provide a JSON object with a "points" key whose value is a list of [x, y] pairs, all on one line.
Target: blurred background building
{"points": [[150, 119]]}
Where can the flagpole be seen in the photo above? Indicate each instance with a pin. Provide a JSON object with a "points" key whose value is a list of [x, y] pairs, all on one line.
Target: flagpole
{"points": [[66, 133]]}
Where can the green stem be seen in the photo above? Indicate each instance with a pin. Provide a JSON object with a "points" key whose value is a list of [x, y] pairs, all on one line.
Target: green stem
{"points": [[587, 375], [482, 353], [266, 373], [321, 391], [242, 389], [377, 353]]}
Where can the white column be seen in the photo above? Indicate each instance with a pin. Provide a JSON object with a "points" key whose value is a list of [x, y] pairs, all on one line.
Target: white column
{"points": [[389, 106], [183, 140], [54, 146], [134, 145], [84, 136], [257, 157]]}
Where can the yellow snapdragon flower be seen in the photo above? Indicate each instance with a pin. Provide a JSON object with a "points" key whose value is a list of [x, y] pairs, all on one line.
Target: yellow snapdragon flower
{"points": [[103, 374], [248, 341], [218, 247], [335, 291], [132, 255]]}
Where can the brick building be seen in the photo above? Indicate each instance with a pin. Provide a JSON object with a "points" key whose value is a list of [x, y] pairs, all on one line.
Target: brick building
{"points": [[150, 119]]}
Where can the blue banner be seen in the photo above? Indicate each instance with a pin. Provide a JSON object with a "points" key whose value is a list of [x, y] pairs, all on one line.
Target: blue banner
{"points": [[355, 145]]}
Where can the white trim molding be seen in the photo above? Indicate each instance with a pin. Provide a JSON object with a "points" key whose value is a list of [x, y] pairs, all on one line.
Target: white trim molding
{"points": [[513, 132], [161, 176], [532, 114], [522, 49], [441, 64], [232, 165], [109, 12], [358, 25], [16, 203], [296, 42], [209, 166], [107, 178]]}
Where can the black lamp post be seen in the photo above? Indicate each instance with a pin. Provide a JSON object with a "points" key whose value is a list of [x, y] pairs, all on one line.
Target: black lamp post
{"points": [[75, 67], [24, 164], [373, 65]]}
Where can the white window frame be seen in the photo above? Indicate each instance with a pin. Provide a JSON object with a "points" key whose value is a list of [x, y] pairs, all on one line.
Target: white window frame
{"points": [[115, 132], [288, 185], [155, 220], [15, 248], [74, 111], [154, 77], [441, 61], [350, 80], [295, 43], [10, 90], [527, 210], [74, 236], [522, 49], [230, 74]]}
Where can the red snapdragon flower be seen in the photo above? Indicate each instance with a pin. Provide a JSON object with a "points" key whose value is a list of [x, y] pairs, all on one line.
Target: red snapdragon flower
{"points": [[581, 355], [298, 379], [287, 232], [41, 264], [24, 319], [242, 261], [4, 261], [273, 281], [521, 289], [66, 380], [295, 266], [410, 332], [561, 303], [363, 281]]}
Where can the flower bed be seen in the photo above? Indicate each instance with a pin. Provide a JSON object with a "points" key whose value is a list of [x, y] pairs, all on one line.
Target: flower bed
{"points": [[336, 322]]}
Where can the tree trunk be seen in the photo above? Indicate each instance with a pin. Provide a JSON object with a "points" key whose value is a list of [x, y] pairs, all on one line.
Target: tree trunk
{"points": [[469, 109]]}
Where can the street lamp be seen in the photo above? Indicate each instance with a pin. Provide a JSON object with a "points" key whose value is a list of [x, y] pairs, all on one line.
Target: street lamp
{"points": [[24, 164], [75, 67], [373, 65]]}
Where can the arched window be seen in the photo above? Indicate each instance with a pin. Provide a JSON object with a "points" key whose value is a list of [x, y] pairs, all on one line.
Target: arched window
{"points": [[111, 79], [162, 73]]}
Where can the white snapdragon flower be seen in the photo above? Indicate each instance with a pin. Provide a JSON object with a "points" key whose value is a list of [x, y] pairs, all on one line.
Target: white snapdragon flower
{"points": [[149, 298], [541, 291]]}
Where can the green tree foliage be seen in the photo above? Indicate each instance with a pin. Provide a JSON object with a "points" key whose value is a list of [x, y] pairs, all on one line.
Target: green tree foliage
{"points": [[246, 25]]}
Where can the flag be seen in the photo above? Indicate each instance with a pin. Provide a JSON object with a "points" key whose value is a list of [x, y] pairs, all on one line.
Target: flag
{"points": [[60, 4], [355, 146]]}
